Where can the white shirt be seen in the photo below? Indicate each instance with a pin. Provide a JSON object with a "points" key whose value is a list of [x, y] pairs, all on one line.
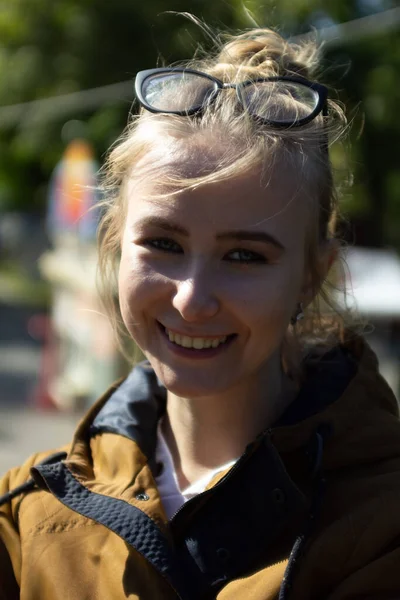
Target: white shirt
{"points": [[172, 496]]}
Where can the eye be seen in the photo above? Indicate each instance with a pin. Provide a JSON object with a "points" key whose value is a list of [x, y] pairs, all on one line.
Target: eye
{"points": [[163, 244], [246, 257]]}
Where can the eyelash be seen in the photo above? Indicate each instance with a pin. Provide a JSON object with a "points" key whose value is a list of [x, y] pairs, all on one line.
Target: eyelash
{"points": [[169, 246], [157, 245]]}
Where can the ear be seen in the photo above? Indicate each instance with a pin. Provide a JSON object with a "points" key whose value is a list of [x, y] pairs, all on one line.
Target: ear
{"points": [[327, 255]]}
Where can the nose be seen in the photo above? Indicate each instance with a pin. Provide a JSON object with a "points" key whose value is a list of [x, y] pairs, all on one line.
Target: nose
{"points": [[195, 298]]}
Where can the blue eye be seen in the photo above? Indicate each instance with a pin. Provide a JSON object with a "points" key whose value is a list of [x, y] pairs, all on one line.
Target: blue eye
{"points": [[164, 244], [245, 256]]}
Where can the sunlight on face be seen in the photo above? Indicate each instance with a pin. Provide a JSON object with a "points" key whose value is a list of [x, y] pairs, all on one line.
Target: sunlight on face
{"points": [[223, 261]]}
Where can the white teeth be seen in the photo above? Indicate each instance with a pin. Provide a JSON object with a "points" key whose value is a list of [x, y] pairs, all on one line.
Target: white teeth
{"points": [[196, 343], [186, 342]]}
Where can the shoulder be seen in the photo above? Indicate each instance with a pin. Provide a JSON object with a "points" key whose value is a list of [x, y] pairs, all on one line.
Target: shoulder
{"points": [[17, 488], [17, 482]]}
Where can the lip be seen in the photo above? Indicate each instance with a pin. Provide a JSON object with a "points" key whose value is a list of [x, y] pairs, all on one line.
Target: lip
{"points": [[192, 353]]}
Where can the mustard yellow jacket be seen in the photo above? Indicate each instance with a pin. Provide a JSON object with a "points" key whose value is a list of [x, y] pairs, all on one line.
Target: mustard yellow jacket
{"points": [[310, 511]]}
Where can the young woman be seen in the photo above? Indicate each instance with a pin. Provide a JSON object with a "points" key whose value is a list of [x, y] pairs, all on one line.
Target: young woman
{"points": [[256, 453]]}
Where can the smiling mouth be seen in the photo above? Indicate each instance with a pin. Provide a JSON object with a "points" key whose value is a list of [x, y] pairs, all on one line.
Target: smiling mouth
{"points": [[196, 343]]}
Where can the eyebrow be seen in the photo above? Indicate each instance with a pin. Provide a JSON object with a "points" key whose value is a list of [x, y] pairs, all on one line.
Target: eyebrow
{"points": [[236, 234]]}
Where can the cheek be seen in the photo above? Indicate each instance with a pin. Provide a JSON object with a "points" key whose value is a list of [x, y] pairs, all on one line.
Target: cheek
{"points": [[132, 286], [126, 280], [141, 287], [272, 299]]}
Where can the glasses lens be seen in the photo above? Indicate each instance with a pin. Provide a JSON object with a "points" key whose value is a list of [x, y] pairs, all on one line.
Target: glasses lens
{"points": [[177, 92], [279, 101]]}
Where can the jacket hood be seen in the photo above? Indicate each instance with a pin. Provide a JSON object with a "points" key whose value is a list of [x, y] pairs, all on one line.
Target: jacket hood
{"points": [[343, 394], [346, 393]]}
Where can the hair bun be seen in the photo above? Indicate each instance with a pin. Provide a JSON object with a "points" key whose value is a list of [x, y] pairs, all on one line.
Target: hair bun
{"points": [[266, 52]]}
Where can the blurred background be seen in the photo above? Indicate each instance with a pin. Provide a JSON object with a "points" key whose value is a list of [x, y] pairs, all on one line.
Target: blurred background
{"points": [[66, 89]]}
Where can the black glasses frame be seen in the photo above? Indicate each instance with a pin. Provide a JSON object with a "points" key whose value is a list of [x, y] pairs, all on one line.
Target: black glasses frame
{"points": [[321, 90]]}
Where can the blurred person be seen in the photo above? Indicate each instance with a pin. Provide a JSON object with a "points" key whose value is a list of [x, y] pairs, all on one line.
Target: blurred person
{"points": [[256, 453]]}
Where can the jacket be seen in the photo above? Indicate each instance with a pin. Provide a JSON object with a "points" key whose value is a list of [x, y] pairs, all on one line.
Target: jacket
{"points": [[310, 511]]}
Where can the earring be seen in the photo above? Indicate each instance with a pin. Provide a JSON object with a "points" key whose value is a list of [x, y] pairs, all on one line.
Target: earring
{"points": [[299, 314]]}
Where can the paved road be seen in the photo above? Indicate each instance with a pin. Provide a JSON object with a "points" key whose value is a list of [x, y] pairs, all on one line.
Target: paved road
{"points": [[24, 431], [23, 428]]}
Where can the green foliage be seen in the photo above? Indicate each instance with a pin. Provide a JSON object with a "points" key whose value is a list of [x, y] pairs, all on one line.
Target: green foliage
{"points": [[50, 48], [53, 48], [371, 91]]}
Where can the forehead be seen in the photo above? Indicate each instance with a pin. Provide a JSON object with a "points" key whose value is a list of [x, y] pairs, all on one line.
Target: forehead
{"points": [[270, 200]]}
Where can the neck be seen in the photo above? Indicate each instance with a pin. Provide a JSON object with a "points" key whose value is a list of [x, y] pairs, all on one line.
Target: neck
{"points": [[204, 433]]}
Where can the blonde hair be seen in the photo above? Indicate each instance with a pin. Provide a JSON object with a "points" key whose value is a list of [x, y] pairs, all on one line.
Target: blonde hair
{"points": [[243, 143]]}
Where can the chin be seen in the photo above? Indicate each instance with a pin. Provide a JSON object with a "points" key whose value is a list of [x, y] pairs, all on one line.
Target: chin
{"points": [[188, 385]]}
